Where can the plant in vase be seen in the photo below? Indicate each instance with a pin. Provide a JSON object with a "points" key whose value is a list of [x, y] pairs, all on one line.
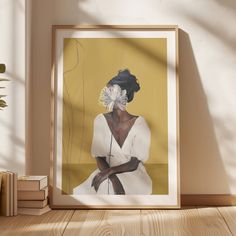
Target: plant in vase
{"points": [[2, 102]]}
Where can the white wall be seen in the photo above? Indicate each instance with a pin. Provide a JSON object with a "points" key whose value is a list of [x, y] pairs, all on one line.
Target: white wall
{"points": [[12, 53], [207, 79]]}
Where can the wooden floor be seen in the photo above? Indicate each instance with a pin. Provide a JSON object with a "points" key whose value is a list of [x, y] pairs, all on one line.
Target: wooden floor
{"points": [[192, 221]]}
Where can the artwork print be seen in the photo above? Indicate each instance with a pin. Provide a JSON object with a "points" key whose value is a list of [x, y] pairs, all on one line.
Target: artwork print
{"points": [[115, 117]]}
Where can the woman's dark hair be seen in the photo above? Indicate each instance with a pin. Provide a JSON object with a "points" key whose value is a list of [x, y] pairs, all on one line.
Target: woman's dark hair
{"points": [[126, 81]]}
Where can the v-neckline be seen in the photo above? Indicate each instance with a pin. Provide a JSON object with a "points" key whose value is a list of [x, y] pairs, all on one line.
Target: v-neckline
{"points": [[121, 147]]}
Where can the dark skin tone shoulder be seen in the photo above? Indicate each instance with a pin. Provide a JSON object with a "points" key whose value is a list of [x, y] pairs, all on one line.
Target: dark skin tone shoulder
{"points": [[120, 123]]}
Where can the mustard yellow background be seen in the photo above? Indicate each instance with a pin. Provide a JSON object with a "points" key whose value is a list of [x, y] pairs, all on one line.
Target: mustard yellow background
{"points": [[88, 65]]}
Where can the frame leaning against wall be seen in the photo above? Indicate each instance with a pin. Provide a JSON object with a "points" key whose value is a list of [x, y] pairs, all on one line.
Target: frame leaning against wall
{"points": [[156, 47]]}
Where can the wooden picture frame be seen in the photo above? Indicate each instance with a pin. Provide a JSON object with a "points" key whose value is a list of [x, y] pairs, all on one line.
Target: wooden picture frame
{"points": [[84, 59]]}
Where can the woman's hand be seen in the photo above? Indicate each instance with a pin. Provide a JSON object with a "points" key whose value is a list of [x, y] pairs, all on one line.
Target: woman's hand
{"points": [[100, 177], [117, 186], [134, 162], [129, 166]]}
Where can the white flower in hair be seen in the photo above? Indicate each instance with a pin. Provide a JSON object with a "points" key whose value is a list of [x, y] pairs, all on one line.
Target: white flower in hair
{"points": [[113, 96]]}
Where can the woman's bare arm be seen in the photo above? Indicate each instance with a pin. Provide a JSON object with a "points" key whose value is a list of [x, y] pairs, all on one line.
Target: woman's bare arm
{"points": [[129, 166], [103, 165]]}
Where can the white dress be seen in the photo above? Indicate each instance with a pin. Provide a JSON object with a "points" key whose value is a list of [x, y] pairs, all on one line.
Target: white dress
{"points": [[136, 144]]}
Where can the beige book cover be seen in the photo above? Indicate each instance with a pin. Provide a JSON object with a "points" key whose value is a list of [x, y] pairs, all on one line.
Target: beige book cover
{"points": [[1, 191], [0, 180], [32, 183], [33, 195], [11, 192], [33, 211], [32, 204], [5, 194], [15, 194]]}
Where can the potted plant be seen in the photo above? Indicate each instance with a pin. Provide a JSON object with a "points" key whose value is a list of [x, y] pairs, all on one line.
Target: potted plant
{"points": [[2, 102]]}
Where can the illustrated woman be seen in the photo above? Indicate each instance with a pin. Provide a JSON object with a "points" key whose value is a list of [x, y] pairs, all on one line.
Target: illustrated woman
{"points": [[120, 143]]}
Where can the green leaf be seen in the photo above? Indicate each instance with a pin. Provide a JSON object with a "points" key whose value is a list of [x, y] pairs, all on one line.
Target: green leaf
{"points": [[2, 79], [2, 68], [2, 103]]}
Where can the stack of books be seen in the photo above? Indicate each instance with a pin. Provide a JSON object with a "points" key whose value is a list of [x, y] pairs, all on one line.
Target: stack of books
{"points": [[33, 195], [8, 193]]}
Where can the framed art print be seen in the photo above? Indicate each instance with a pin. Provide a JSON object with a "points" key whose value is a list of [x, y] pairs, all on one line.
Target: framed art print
{"points": [[115, 117]]}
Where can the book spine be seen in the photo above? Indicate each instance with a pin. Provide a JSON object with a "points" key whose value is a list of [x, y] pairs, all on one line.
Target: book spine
{"points": [[11, 189], [5, 195], [8, 203], [32, 203], [33, 195], [28, 185], [15, 195]]}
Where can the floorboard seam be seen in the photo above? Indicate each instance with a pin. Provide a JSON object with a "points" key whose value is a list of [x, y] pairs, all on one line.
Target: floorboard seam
{"points": [[225, 221], [68, 222], [141, 223]]}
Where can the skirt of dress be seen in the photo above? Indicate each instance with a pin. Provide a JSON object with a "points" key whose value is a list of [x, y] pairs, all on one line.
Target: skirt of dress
{"points": [[135, 182]]}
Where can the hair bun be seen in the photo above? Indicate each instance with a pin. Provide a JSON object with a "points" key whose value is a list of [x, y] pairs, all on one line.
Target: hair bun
{"points": [[126, 81], [131, 79]]}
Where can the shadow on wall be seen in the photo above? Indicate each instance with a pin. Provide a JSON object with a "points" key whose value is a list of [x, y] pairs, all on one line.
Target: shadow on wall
{"points": [[201, 166], [202, 170], [45, 14], [230, 4], [12, 153], [40, 85], [214, 26], [77, 14]]}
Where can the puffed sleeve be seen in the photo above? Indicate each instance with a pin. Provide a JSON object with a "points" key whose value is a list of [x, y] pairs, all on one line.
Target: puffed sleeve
{"points": [[141, 141], [98, 142]]}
